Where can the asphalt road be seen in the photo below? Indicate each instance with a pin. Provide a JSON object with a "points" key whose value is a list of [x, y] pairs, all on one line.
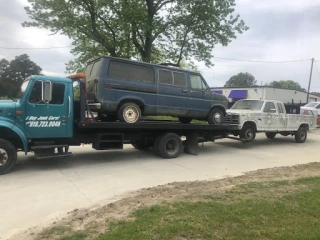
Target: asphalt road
{"points": [[37, 191]]}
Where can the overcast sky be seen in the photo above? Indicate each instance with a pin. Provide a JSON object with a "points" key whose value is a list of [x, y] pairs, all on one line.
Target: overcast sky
{"points": [[280, 30]]}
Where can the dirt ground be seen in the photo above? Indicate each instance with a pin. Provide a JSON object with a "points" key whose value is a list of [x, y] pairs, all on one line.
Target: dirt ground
{"points": [[96, 219]]}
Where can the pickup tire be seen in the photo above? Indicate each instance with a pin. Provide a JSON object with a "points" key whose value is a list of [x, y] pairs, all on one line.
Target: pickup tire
{"points": [[169, 145], [8, 156], [216, 116], [248, 133], [271, 135], [129, 112], [301, 135], [185, 120]]}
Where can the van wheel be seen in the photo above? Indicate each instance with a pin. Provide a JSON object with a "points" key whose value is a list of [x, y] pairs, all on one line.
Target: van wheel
{"points": [[129, 112], [301, 135], [248, 133], [215, 116], [271, 135], [185, 120], [170, 145], [8, 156]]}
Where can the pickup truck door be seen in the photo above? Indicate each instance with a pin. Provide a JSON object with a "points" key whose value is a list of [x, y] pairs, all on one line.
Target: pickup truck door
{"points": [[282, 117], [268, 116], [48, 120]]}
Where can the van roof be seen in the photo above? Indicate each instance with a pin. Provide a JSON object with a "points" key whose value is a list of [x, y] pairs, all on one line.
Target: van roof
{"points": [[144, 63]]}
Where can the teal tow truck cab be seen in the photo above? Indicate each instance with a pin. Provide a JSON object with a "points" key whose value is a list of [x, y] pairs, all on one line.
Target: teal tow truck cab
{"points": [[53, 113]]}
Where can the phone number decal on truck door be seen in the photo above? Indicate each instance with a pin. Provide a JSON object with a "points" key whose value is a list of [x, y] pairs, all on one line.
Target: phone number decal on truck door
{"points": [[43, 121]]}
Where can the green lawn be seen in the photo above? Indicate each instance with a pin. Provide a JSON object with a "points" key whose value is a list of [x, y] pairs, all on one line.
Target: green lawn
{"points": [[268, 210]]}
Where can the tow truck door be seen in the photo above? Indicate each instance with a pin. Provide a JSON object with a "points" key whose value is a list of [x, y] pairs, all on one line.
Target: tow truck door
{"points": [[51, 119]]}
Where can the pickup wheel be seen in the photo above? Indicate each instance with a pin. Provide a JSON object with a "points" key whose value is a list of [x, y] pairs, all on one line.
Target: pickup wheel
{"points": [[271, 135], [169, 145], [8, 156], [215, 116], [301, 135], [129, 112], [248, 133], [185, 120]]}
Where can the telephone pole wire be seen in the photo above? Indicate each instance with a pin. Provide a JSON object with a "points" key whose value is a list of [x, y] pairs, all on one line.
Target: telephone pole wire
{"points": [[312, 60]]}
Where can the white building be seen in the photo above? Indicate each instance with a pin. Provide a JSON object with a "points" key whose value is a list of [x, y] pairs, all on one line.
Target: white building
{"points": [[287, 96]]}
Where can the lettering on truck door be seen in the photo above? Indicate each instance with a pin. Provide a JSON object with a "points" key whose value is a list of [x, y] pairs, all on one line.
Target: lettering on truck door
{"points": [[45, 120]]}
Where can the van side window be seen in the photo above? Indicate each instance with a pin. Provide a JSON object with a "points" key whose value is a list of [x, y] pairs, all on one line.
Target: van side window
{"points": [[268, 107], [129, 71], [165, 77], [57, 93], [179, 79], [196, 82]]}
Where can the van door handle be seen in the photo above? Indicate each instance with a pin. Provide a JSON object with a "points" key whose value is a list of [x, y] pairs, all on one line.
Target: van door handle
{"points": [[192, 91], [185, 90]]}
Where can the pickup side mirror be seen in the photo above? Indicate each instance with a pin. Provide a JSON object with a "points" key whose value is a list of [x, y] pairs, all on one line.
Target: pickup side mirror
{"points": [[273, 110], [46, 91]]}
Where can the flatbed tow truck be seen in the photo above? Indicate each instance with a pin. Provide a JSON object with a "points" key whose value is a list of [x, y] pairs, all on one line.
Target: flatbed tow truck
{"points": [[46, 120]]}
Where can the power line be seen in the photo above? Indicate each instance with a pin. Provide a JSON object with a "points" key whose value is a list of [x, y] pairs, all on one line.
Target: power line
{"points": [[26, 48], [242, 60]]}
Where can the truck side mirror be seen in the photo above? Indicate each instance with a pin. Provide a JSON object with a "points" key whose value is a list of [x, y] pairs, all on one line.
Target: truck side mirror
{"points": [[46, 91]]}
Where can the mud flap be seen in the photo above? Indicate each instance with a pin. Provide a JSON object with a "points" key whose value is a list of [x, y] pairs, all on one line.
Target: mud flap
{"points": [[191, 144]]}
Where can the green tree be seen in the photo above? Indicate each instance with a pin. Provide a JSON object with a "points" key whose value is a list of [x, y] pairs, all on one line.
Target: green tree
{"points": [[290, 84], [158, 31], [241, 80], [13, 73]]}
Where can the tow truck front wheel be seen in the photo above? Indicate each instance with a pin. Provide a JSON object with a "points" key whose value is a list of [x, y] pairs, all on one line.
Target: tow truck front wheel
{"points": [[301, 135], [8, 156]]}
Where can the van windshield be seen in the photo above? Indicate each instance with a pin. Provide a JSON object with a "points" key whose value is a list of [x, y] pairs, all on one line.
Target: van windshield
{"points": [[248, 104]]}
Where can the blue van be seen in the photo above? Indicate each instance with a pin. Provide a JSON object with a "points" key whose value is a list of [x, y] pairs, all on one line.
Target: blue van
{"points": [[127, 90]]}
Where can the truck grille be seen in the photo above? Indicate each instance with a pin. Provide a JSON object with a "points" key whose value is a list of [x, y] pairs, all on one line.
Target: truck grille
{"points": [[231, 119]]}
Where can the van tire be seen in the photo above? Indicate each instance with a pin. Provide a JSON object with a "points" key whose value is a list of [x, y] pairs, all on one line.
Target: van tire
{"points": [[185, 120], [8, 156], [129, 112], [301, 135], [169, 146], [216, 116]]}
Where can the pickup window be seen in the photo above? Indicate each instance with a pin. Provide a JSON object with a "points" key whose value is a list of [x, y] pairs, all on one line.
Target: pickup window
{"points": [[268, 107], [280, 108]]}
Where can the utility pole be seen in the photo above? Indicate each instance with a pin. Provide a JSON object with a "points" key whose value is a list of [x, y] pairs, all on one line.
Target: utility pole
{"points": [[312, 60]]}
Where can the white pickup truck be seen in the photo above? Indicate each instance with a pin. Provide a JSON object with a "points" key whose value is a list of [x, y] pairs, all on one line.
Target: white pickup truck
{"points": [[247, 117]]}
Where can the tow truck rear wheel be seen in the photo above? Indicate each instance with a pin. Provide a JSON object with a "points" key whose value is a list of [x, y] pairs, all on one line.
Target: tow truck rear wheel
{"points": [[169, 145], [301, 135], [8, 156], [271, 135], [248, 133]]}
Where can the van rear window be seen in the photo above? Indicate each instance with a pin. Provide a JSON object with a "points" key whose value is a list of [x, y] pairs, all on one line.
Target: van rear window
{"points": [[129, 71], [87, 71]]}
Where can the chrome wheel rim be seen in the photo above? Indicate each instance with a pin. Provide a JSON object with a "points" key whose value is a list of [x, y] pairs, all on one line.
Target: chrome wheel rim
{"points": [[172, 146], [249, 134], [131, 114], [302, 135], [217, 118], [3, 157]]}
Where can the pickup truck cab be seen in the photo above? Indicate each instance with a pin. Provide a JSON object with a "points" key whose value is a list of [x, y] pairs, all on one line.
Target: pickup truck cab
{"points": [[247, 117]]}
